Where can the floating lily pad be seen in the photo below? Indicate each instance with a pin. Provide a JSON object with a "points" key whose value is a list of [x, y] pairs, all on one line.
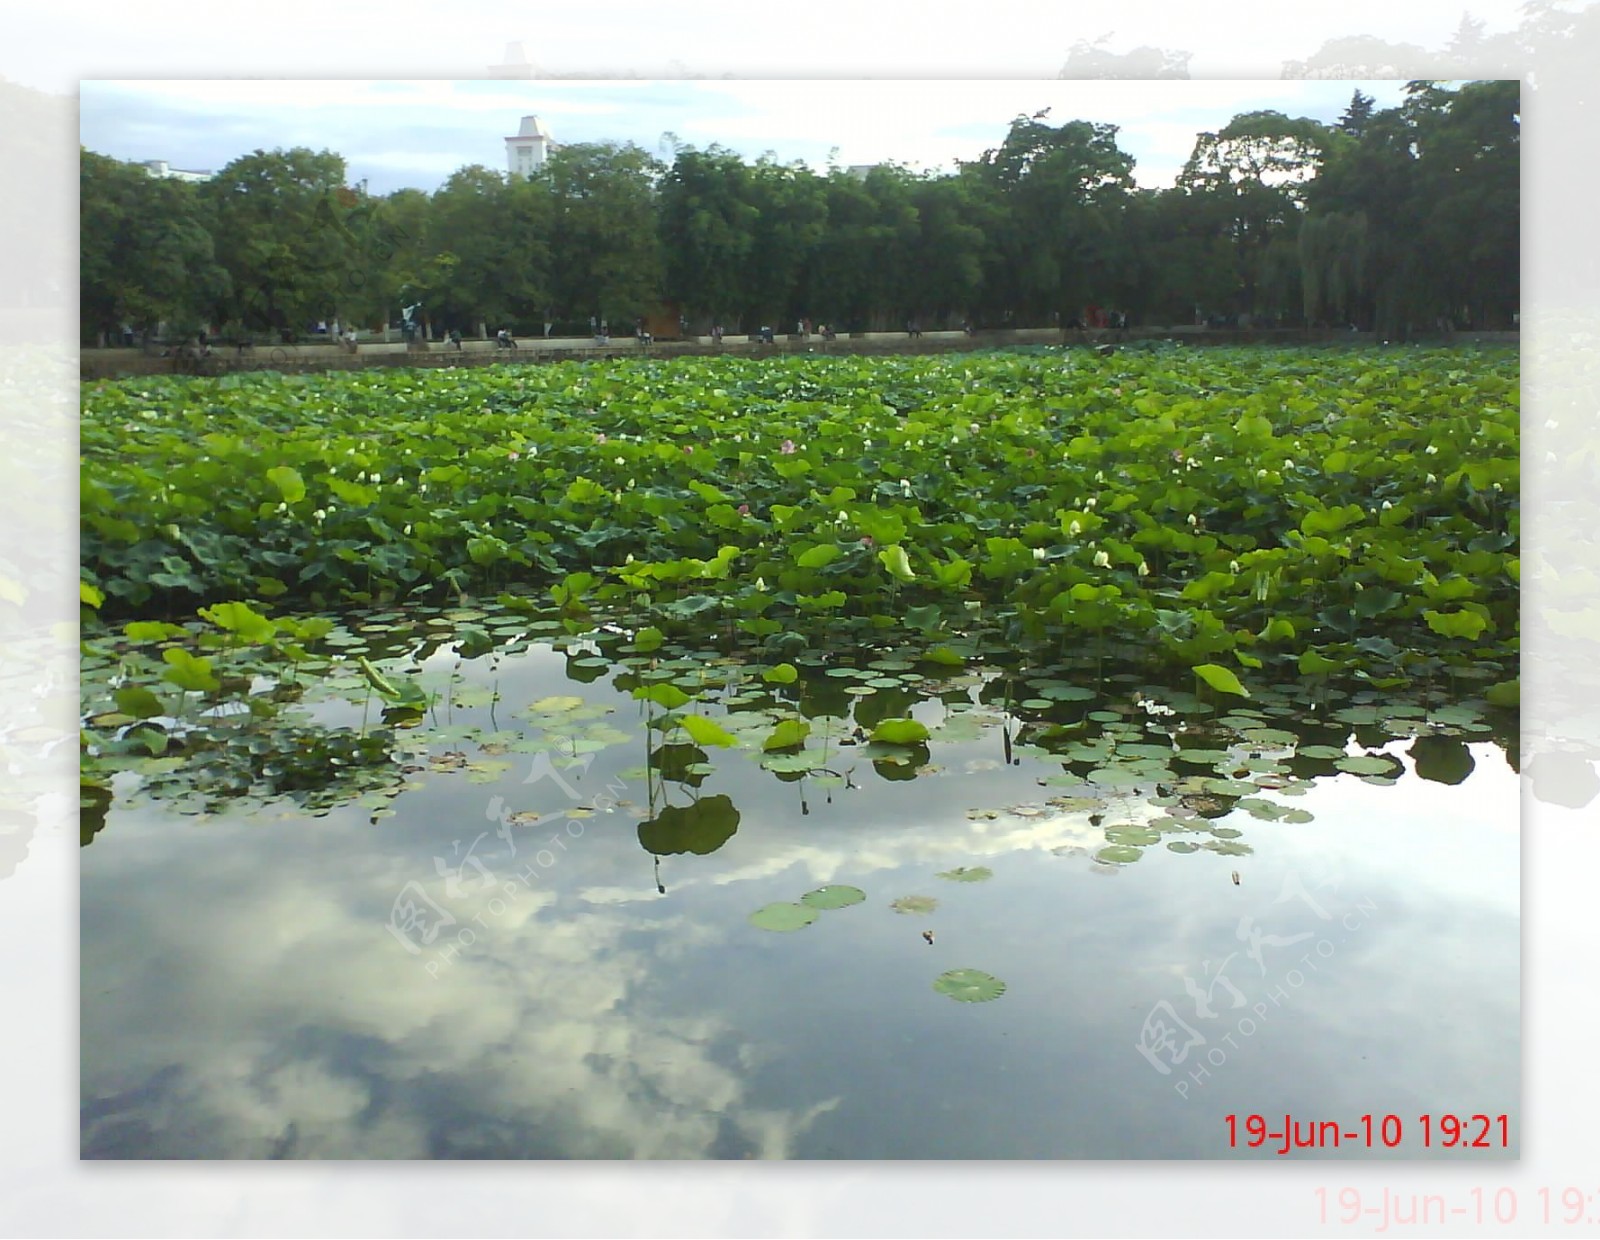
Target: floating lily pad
{"points": [[1366, 764], [1130, 834], [969, 985], [782, 917], [963, 874], [1182, 846], [1119, 854], [833, 896], [558, 705]]}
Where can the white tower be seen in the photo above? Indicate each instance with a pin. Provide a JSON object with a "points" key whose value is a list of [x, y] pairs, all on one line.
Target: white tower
{"points": [[528, 149], [516, 64]]}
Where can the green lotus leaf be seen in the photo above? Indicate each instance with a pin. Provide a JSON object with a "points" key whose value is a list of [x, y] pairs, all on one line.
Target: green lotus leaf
{"points": [[833, 896], [969, 985], [782, 917], [900, 732], [964, 874]]}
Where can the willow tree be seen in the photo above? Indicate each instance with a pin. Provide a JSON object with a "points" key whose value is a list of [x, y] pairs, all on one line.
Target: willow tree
{"points": [[1333, 267]]}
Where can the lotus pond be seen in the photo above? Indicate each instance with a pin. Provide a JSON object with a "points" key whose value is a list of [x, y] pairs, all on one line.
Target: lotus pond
{"points": [[1003, 756]]}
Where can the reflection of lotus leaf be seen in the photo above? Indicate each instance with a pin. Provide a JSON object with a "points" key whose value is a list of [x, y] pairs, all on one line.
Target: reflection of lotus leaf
{"points": [[782, 916], [1119, 854], [676, 763], [969, 985], [700, 827], [919, 905], [1115, 776], [1442, 759], [1563, 778], [961, 874], [906, 765], [835, 895]]}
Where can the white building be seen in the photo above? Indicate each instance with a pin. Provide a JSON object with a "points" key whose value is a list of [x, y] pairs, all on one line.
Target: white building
{"points": [[527, 150], [160, 168], [515, 67]]}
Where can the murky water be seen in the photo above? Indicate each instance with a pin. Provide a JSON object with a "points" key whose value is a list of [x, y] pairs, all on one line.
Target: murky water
{"points": [[542, 948]]}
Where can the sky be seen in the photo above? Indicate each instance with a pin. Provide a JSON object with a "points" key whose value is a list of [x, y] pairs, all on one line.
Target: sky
{"points": [[101, 39], [399, 134]]}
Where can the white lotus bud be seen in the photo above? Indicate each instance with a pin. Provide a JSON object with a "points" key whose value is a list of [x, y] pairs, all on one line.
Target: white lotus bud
{"points": [[1075, 528], [1038, 553], [1192, 520], [1432, 450], [408, 531], [1089, 504], [1233, 567], [1388, 504], [1102, 560], [1144, 569]]}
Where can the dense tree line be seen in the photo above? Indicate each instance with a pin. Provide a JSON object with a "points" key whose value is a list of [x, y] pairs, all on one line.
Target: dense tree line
{"points": [[1393, 219]]}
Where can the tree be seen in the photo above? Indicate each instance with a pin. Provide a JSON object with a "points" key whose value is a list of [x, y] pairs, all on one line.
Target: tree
{"points": [[707, 223], [1144, 63], [605, 251], [146, 256], [1251, 175], [1353, 120], [1062, 190], [1423, 205], [278, 219]]}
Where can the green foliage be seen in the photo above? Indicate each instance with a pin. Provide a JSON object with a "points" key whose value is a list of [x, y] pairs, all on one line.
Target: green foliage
{"points": [[1207, 544], [1220, 679]]}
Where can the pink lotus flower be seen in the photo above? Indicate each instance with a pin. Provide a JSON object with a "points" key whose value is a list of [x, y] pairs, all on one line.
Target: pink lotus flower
{"points": [[514, 456], [600, 437], [744, 510], [787, 447]]}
